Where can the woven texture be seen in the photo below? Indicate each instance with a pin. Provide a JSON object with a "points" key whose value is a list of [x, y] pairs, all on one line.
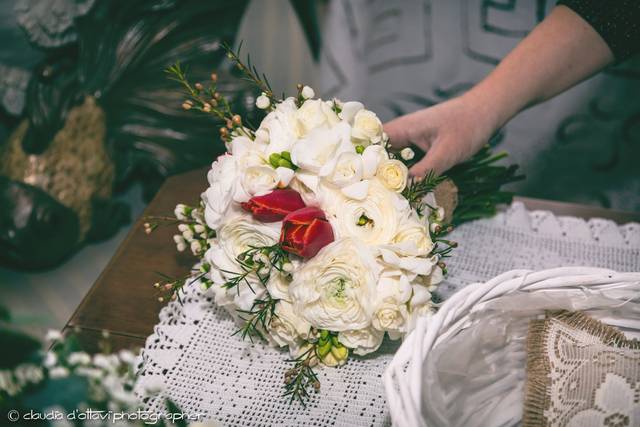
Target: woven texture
{"points": [[580, 372], [193, 359]]}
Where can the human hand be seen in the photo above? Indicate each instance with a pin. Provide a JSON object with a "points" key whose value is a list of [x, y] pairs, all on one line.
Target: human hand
{"points": [[448, 133]]}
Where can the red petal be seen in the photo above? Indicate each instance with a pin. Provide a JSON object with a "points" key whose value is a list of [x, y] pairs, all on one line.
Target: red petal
{"points": [[317, 235], [274, 206], [305, 215]]}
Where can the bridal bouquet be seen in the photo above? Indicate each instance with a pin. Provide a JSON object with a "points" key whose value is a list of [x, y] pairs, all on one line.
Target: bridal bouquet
{"points": [[311, 233]]}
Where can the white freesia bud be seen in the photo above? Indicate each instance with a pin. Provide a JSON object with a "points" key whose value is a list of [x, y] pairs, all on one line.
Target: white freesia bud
{"points": [[407, 153], [181, 247], [187, 234], [199, 228], [196, 247], [262, 102], [287, 267], [307, 92], [178, 239], [183, 227], [179, 212]]}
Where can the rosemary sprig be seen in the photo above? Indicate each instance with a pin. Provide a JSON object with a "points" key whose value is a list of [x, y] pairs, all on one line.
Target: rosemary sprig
{"points": [[417, 189], [250, 72], [300, 379], [257, 319]]}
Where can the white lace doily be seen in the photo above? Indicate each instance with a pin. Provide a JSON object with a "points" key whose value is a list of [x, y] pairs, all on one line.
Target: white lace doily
{"points": [[197, 363]]}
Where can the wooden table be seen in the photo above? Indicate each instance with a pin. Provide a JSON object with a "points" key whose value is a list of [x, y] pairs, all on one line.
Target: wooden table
{"points": [[123, 301]]}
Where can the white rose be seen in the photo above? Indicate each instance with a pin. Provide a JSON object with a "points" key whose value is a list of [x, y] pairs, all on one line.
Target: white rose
{"points": [[259, 180], [279, 127], [391, 317], [412, 238], [222, 179], [362, 341], [348, 169], [315, 114], [238, 235], [318, 151], [374, 220], [393, 174], [334, 289], [286, 328], [367, 128]]}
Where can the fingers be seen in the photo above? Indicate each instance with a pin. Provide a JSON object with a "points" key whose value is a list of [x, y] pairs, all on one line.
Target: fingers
{"points": [[396, 129], [434, 160]]}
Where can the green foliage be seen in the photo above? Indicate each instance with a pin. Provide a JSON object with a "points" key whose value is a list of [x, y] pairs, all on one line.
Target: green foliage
{"points": [[480, 181]]}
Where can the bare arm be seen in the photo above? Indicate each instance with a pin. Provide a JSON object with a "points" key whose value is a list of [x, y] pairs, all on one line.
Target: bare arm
{"points": [[560, 52]]}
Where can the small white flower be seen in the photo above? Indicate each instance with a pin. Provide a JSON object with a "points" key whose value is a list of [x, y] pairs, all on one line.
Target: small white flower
{"points": [[199, 228], [181, 247], [262, 102], [127, 356], [188, 235], [58, 372], [79, 358], [50, 359], [180, 212], [407, 153], [53, 335], [307, 92], [183, 227], [196, 247], [178, 239]]}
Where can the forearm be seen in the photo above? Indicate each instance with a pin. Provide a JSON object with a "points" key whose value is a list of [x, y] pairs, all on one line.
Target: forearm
{"points": [[559, 53]]}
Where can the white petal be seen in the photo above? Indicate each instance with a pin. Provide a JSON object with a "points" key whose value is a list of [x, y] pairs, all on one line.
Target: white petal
{"points": [[308, 179], [357, 191], [349, 110], [371, 158], [285, 175]]}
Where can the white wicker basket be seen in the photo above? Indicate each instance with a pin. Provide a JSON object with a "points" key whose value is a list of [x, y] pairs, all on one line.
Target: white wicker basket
{"points": [[599, 292]]}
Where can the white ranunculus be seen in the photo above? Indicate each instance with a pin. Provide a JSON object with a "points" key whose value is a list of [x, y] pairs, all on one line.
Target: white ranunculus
{"points": [[287, 328], [378, 209], [372, 157], [279, 127], [318, 151], [362, 341], [412, 238], [313, 114], [393, 174], [259, 180], [238, 235], [367, 128], [222, 179], [334, 290], [348, 169]]}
